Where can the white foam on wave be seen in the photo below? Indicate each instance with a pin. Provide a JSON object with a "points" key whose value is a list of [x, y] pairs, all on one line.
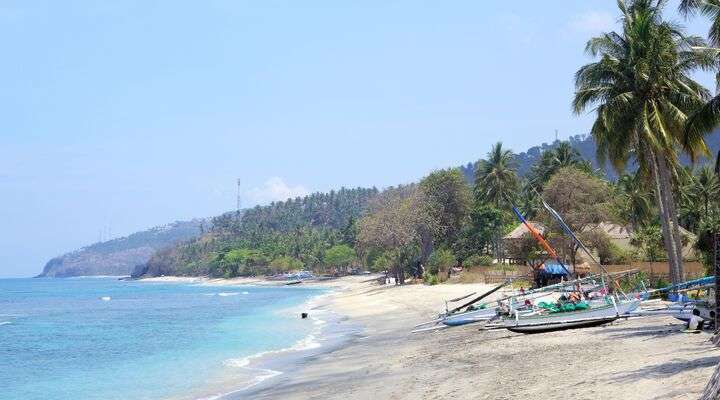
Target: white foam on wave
{"points": [[225, 294], [5, 322], [307, 343], [106, 298]]}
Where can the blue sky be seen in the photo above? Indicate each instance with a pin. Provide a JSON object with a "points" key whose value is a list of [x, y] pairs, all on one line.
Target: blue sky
{"points": [[122, 115]]}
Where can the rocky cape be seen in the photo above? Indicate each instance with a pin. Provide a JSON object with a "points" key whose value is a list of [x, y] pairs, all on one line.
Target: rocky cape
{"points": [[120, 256]]}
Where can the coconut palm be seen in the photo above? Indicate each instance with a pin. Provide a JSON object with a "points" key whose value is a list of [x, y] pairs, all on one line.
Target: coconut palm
{"points": [[552, 160], [637, 201], [496, 179], [642, 92], [706, 188], [708, 8]]}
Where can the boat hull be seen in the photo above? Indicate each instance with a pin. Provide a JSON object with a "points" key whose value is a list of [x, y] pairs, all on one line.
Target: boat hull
{"points": [[570, 320], [470, 317], [561, 326]]}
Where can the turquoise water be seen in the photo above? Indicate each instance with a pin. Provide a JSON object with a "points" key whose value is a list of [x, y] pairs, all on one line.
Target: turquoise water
{"points": [[59, 339]]}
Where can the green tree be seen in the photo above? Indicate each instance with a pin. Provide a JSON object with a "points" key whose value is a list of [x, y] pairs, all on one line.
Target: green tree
{"points": [[552, 160], [447, 201], [484, 232], [440, 262], [635, 205], [496, 179], [340, 255], [649, 240], [583, 200], [285, 263], [643, 94]]}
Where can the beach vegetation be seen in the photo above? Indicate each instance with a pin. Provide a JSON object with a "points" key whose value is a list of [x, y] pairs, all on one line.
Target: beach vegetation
{"points": [[340, 255], [642, 90]]}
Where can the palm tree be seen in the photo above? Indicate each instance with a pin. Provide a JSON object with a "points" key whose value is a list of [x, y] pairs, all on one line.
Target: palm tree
{"points": [[638, 201], [706, 188], [552, 160], [643, 93], [496, 179], [708, 8]]}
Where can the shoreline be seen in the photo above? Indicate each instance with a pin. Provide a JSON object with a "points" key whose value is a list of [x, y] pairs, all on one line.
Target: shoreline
{"points": [[643, 358], [331, 331]]}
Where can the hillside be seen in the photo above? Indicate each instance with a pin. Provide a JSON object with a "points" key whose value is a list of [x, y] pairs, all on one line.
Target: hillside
{"points": [[585, 145], [120, 256], [298, 228], [293, 227]]}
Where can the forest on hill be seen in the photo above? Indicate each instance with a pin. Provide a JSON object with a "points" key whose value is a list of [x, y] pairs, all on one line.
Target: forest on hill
{"points": [[297, 233], [120, 256], [444, 221]]}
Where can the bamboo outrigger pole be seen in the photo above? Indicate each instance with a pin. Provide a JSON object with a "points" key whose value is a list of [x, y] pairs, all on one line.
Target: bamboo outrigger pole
{"points": [[570, 233]]}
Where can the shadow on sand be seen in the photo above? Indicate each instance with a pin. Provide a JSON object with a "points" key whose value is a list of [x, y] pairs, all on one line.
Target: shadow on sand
{"points": [[665, 370]]}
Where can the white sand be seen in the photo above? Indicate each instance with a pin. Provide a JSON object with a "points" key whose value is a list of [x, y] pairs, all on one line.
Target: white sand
{"points": [[645, 358]]}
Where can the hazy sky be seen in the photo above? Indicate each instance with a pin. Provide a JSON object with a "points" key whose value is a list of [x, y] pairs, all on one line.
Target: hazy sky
{"points": [[122, 115]]}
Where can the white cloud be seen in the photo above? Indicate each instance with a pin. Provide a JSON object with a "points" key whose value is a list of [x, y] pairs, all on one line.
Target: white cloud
{"points": [[593, 22], [274, 189]]}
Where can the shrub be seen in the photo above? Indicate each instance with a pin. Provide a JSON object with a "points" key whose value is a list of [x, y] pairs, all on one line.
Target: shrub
{"points": [[477, 260], [440, 260], [485, 261], [430, 279], [618, 255]]}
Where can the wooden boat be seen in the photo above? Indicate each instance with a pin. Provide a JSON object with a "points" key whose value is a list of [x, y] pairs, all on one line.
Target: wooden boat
{"points": [[470, 317], [545, 322]]}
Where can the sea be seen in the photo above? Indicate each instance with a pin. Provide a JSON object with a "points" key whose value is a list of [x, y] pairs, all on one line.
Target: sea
{"points": [[105, 338]]}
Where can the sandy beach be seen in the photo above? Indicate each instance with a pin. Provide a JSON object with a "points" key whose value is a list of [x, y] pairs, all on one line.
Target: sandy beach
{"points": [[643, 358]]}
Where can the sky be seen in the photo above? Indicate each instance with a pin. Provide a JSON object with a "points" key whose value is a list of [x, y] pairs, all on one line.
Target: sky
{"points": [[117, 116]]}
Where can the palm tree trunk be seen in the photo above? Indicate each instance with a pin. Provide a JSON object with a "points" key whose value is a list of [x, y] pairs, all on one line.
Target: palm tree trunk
{"points": [[712, 390], [672, 213], [664, 216]]}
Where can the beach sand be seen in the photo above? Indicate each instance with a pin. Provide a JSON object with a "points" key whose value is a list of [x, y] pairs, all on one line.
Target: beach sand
{"points": [[643, 358]]}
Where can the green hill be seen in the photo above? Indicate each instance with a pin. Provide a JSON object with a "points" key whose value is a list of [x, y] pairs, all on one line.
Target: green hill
{"points": [[120, 256]]}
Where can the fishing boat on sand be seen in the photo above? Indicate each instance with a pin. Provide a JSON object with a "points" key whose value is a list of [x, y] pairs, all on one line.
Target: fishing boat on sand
{"points": [[585, 316]]}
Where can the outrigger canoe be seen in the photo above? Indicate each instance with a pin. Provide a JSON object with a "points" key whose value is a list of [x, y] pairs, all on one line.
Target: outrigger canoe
{"points": [[547, 322]]}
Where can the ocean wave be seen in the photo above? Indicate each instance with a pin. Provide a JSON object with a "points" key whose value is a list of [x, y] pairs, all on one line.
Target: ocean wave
{"points": [[5, 322], [225, 294], [257, 379]]}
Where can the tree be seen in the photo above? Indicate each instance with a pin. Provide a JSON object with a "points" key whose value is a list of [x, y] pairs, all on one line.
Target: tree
{"points": [[581, 199], [496, 179], [551, 160], [394, 224], [340, 256], [643, 95], [649, 240], [705, 189], [285, 263], [634, 201], [441, 261], [446, 200], [481, 235]]}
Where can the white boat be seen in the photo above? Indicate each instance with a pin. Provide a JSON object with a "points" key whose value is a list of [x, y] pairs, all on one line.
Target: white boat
{"points": [[545, 322]]}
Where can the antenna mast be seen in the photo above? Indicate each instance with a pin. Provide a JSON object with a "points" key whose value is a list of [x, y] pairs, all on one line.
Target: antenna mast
{"points": [[238, 195]]}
